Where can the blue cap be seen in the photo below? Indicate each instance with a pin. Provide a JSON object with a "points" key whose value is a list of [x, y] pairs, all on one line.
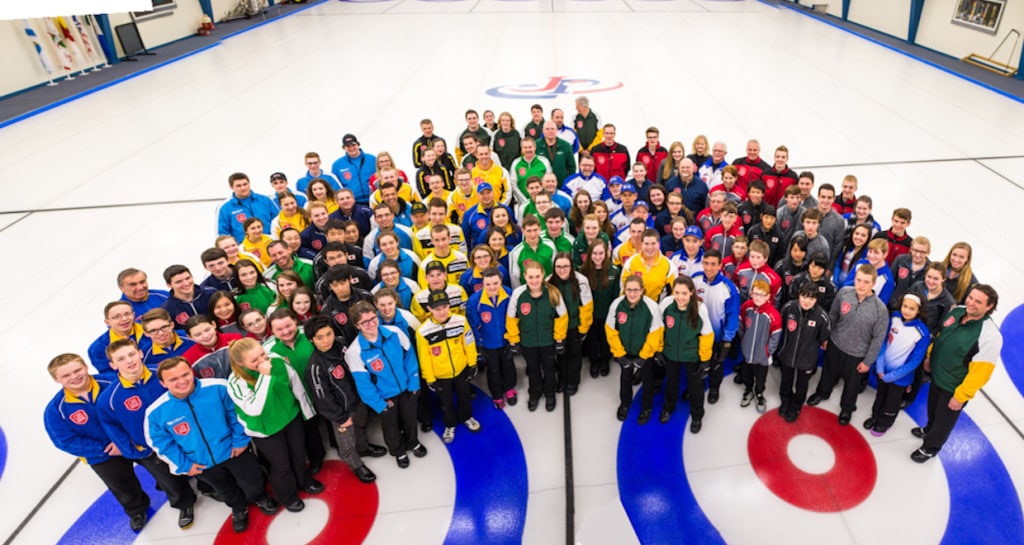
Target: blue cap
{"points": [[640, 202], [628, 187], [484, 186], [616, 180], [693, 231]]}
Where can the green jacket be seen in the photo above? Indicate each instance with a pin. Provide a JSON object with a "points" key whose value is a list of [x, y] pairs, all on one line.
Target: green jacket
{"points": [[561, 157], [266, 407]]}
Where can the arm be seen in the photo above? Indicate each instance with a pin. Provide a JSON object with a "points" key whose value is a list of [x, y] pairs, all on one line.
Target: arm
{"points": [[732, 315], [706, 341], [512, 320], [612, 333], [426, 366], [114, 429], [879, 332], [249, 401], [66, 439], [655, 334], [561, 329], [990, 344], [586, 305]]}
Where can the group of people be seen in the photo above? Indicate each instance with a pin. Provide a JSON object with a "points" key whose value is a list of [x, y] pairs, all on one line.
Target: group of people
{"points": [[355, 290]]}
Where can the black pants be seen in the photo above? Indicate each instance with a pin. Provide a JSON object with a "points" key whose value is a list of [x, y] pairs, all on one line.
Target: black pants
{"points": [[887, 404], [915, 387], [422, 405], [118, 473], [501, 372], [839, 364], [238, 480], [754, 376], [398, 423], [626, 381], [717, 372], [673, 371], [179, 491], [793, 399], [540, 370], [285, 452], [596, 348], [353, 440], [570, 363], [314, 441], [454, 394], [941, 419]]}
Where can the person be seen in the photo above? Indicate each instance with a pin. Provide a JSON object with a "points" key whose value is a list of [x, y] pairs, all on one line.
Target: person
{"points": [[386, 371], [740, 249], [391, 277], [634, 330], [612, 158], [271, 403], [422, 241], [959, 275], [303, 303], [525, 167], [256, 241], [793, 264], [354, 168], [431, 167], [752, 166], [903, 350], [687, 345], [489, 124], [579, 303], [315, 171], [242, 205], [897, 237], [333, 391], [760, 331], [807, 328], [252, 289], [875, 256], [486, 312], [446, 160], [343, 296], [590, 231], [533, 248], [587, 179], [687, 262], [733, 192], [209, 356], [651, 154], [537, 323], [482, 258], [847, 199], [473, 128], [122, 414], [779, 177], [651, 266], [859, 326], [166, 343], [908, 269], [669, 166], [186, 298], [811, 222], [851, 252], [565, 132], [603, 278], [282, 259], [582, 206], [463, 197], [722, 300], [750, 210], [320, 191], [254, 324], [121, 324], [455, 262], [390, 244], [448, 363], [558, 152], [789, 215], [424, 142], [351, 210], [193, 427], [962, 358], [936, 300], [134, 286], [690, 186], [437, 280], [861, 215], [292, 215], [700, 149], [477, 218], [712, 169], [73, 425], [757, 268], [505, 141], [767, 231], [722, 235], [586, 124], [225, 311], [832, 226], [817, 276], [215, 261]]}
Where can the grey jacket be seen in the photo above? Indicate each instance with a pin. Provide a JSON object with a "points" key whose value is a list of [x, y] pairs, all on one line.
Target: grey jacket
{"points": [[858, 327]]}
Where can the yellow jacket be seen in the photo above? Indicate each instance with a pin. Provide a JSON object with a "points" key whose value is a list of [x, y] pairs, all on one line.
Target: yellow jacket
{"points": [[445, 350]]}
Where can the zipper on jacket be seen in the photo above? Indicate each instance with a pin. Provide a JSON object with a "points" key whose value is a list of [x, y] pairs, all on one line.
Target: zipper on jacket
{"points": [[200, 428]]}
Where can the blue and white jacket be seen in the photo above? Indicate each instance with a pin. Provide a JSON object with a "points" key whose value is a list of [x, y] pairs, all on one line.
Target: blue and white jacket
{"points": [[722, 300], [904, 348], [487, 318], [385, 368]]}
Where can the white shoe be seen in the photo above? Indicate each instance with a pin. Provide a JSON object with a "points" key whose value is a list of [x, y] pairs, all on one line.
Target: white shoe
{"points": [[449, 435], [472, 424]]}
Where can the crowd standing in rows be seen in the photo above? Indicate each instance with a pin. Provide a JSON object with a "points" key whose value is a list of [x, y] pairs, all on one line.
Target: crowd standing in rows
{"points": [[355, 290]]}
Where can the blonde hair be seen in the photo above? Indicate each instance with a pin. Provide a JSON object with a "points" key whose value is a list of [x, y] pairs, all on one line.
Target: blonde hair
{"points": [[236, 351], [554, 296]]}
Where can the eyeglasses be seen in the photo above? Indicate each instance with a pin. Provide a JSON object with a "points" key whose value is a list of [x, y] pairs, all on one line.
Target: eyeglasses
{"points": [[162, 329], [759, 295], [367, 322], [122, 316], [634, 290]]}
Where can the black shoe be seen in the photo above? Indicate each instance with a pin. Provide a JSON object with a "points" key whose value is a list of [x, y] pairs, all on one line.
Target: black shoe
{"points": [[664, 417], [572, 390], [549, 404], [560, 388], [861, 387], [266, 504], [425, 427], [313, 487], [869, 423], [315, 467], [403, 461], [594, 371], [815, 399], [295, 506], [364, 474], [419, 450], [737, 378], [783, 409], [713, 396], [622, 413], [844, 418], [921, 455], [605, 369], [904, 404], [373, 451], [511, 400], [791, 416], [137, 522], [240, 521], [185, 518], [918, 432], [533, 403], [695, 425], [645, 417]]}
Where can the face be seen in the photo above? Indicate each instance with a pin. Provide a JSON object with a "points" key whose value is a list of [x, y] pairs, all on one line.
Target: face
{"points": [[860, 237], [470, 144], [481, 259], [323, 339], [437, 215], [252, 359], [289, 205], [255, 323], [179, 380], [909, 309], [286, 287], [73, 376], [427, 129], [849, 187], [639, 172], [230, 247], [241, 188], [649, 246], [543, 204], [280, 255], [691, 245], [739, 249], [797, 254], [345, 200], [919, 252], [472, 120], [598, 255], [486, 197], [496, 242], [563, 268], [492, 285], [319, 191], [781, 158], [635, 232], [863, 284], [313, 164], [875, 257], [977, 304], [711, 266], [933, 280], [807, 303], [810, 227], [674, 205], [440, 313], [768, 221], [753, 150], [182, 283], [218, 267], [825, 199], [285, 329], [529, 148], [958, 258], [716, 201], [681, 293], [531, 233], [384, 161], [333, 258], [247, 276], [814, 271], [550, 131], [805, 185], [436, 279], [533, 188], [120, 318], [352, 234], [442, 242], [549, 182], [352, 149], [583, 201], [534, 278], [759, 296], [505, 122], [385, 218], [204, 334], [685, 169], [628, 198], [390, 276], [792, 201], [677, 154], [224, 310], [700, 146], [558, 116], [279, 185], [657, 198], [862, 210], [440, 148], [591, 229], [429, 157], [609, 135], [127, 362], [718, 153], [634, 292], [465, 183], [678, 229], [161, 331], [389, 246], [136, 287], [254, 231], [756, 260], [601, 213], [587, 167], [756, 195], [387, 307]]}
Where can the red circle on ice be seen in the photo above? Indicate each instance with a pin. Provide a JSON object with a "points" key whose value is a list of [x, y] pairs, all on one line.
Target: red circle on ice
{"points": [[848, 483]]}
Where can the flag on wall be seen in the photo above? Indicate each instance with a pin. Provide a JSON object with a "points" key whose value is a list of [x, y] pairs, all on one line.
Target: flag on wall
{"points": [[44, 59], [72, 44], [95, 54], [58, 42]]}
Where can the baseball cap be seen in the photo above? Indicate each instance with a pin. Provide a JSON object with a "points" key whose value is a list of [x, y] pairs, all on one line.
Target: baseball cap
{"points": [[278, 176], [437, 298], [418, 208], [628, 187], [434, 266], [349, 139], [484, 186], [615, 180], [641, 203], [693, 231]]}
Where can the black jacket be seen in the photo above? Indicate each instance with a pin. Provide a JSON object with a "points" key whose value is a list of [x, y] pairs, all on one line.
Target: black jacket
{"points": [[331, 385], [803, 332]]}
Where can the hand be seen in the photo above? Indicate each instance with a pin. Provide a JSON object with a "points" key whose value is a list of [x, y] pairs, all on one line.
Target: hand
{"points": [[705, 369], [481, 359], [559, 347], [196, 469], [344, 426], [390, 404], [471, 372], [433, 387], [235, 452], [264, 368], [861, 368], [880, 375], [955, 404], [623, 362], [112, 450], [723, 351], [824, 345], [639, 363], [513, 348], [583, 337], [927, 365]]}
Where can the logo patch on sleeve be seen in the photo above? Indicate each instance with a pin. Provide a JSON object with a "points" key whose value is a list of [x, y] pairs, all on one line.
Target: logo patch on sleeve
{"points": [[182, 429], [79, 417], [133, 403]]}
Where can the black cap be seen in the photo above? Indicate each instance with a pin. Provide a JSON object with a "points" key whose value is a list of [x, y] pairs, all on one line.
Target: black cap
{"points": [[349, 139], [434, 266], [437, 298], [418, 208], [278, 176]]}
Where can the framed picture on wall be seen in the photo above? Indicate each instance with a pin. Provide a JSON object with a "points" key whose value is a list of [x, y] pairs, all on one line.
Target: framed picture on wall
{"points": [[981, 15], [160, 8]]}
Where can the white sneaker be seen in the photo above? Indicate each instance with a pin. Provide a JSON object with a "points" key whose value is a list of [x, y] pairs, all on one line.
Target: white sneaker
{"points": [[472, 424], [449, 435]]}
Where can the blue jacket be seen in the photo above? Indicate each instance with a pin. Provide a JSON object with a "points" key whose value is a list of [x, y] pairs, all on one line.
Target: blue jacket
{"points": [[155, 300], [385, 368], [487, 318], [122, 409], [181, 439], [355, 173], [98, 349], [181, 311], [156, 354], [884, 284], [302, 183], [722, 300], [73, 424], [904, 348], [361, 214], [694, 194], [477, 219], [472, 281], [234, 211]]}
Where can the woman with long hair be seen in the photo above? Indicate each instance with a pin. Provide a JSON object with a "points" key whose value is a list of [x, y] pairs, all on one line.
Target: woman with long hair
{"points": [[603, 278], [291, 215], [252, 290], [225, 310], [537, 322], [579, 303], [701, 151], [849, 253], [669, 167], [582, 205], [603, 214], [303, 303], [481, 258], [321, 191], [959, 276], [591, 232]]}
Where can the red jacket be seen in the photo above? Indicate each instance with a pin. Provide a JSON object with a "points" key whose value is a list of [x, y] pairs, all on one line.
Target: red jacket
{"points": [[613, 161], [750, 171], [652, 161], [776, 182]]}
